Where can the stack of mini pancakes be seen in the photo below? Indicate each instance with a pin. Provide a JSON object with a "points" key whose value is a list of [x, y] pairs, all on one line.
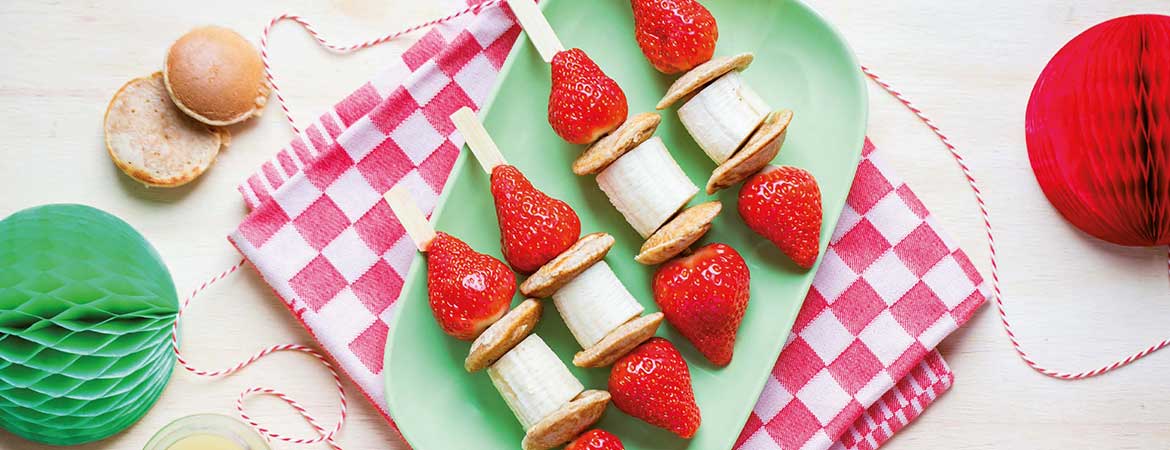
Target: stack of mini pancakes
{"points": [[166, 129]]}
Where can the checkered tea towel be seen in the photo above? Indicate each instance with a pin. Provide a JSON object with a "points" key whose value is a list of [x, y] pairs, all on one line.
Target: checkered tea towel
{"points": [[859, 365]]}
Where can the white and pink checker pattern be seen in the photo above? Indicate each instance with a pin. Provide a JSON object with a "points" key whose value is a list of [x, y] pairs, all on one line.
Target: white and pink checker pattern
{"points": [[889, 288], [320, 236]]}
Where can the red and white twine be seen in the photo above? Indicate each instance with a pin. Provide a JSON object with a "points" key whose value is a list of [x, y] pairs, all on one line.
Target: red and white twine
{"points": [[991, 250], [342, 49], [323, 435]]}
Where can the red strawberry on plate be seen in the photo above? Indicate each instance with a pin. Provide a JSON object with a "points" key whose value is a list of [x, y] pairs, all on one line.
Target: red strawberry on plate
{"points": [[783, 204], [585, 103], [534, 228], [704, 296], [675, 35], [596, 439], [653, 383], [468, 290]]}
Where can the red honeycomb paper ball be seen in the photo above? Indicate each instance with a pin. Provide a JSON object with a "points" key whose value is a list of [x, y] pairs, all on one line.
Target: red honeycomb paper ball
{"points": [[1098, 130]]}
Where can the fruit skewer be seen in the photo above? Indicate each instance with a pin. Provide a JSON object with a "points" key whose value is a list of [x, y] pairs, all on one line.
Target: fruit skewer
{"points": [[732, 125], [635, 170], [548, 401], [727, 119]]}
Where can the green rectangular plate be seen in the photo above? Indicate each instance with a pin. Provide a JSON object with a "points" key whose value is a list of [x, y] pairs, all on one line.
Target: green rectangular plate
{"points": [[801, 64]]}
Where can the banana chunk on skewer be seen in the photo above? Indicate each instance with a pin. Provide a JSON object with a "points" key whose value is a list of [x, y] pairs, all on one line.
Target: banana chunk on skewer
{"points": [[722, 115], [647, 186], [533, 381], [550, 403], [595, 303], [600, 312]]}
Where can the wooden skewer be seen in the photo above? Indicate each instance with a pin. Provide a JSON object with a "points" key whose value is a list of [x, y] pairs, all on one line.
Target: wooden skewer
{"points": [[411, 217], [536, 25], [478, 139]]}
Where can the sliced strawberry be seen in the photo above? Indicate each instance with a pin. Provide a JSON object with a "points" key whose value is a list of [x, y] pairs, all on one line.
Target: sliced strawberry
{"points": [[783, 204], [675, 35], [534, 228], [584, 104], [468, 290], [704, 296], [596, 439], [653, 383]]}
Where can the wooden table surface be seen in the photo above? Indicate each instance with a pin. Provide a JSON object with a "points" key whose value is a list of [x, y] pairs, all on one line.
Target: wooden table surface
{"points": [[1077, 302]]}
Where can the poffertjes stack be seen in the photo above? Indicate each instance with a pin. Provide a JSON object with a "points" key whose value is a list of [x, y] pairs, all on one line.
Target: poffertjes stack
{"points": [[165, 130]]}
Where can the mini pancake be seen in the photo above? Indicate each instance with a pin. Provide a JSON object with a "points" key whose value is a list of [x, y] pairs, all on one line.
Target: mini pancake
{"points": [[619, 342], [566, 423], [216, 76], [760, 149], [495, 341], [614, 145], [678, 234], [702, 74], [152, 141], [587, 251]]}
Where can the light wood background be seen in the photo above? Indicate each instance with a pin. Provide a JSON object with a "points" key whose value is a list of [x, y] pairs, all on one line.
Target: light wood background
{"points": [[1077, 301]]}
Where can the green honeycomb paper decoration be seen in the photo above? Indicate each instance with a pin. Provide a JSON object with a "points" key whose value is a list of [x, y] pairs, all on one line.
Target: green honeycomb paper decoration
{"points": [[86, 307]]}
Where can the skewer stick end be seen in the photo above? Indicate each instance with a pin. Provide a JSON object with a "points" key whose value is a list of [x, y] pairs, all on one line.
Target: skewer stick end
{"points": [[478, 139], [411, 217], [537, 27]]}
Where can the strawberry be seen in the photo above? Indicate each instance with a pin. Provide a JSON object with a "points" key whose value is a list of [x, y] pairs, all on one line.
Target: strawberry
{"points": [[534, 228], [468, 290], [596, 439], [704, 296], [584, 104], [653, 383], [783, 204], [675, 35]]}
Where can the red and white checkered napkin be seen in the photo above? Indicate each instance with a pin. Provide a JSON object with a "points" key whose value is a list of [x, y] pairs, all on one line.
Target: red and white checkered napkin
{"points": [[890, 287]]}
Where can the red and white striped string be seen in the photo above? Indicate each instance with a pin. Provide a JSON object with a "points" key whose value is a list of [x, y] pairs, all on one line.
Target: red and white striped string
{"points": [[342, 49], [991, 250], [323, 435]]}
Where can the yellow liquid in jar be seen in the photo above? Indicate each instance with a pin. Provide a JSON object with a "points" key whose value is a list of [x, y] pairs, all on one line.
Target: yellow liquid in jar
{"points": [[205, 442]]}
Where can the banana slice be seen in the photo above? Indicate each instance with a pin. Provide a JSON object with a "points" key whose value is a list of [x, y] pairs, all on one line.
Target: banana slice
{"points": [[647, 186], [533, 381], [595, 303], [722, 115]]}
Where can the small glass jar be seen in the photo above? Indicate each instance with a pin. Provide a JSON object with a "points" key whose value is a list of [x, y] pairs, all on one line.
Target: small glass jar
{"points": [[206, 432]]}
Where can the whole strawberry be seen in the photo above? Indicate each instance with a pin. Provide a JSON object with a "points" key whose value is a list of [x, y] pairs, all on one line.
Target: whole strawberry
{"points": [[596, 439], [675, 35], [468, 290], [653, 383], [704, 296], [534, 228], [585, 104], [783, 204]]}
